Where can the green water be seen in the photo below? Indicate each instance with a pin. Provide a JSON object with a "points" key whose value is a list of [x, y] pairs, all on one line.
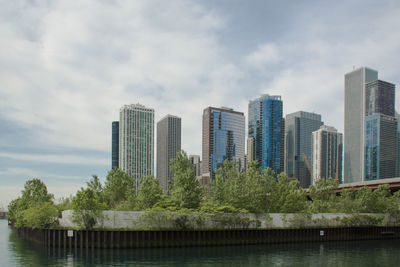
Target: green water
{"points": [[15, 252]]}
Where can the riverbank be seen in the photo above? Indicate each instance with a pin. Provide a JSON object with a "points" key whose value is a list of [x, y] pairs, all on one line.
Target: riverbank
{"points": [[169, 238]]}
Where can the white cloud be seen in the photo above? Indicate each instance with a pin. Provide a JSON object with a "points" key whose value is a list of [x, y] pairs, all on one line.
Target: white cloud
{"points": [[264, 55], [61, 159]]}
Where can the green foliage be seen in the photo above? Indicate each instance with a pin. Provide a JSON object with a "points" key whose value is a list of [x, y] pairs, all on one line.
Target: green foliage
{"points": [[300, 220], [186, 191], [361, 220], [286, 196], [118, 184], [34, 194], [149, 193], [95, 185], [64, 204], [87, 208], [323, 196], [43, 215]]}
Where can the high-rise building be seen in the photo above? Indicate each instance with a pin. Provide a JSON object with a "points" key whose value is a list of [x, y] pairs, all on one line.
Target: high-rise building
{"points": [[327, 149], [195, 160], [266, 126], [114, 144], [379, 98], [250, 149], [380, 147], [354, 122], [299, 127], [168, 144], [223, 138], [136, 141]]}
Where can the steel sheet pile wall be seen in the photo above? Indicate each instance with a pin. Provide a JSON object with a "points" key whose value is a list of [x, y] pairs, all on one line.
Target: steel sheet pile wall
{"points": [[141, 239]]}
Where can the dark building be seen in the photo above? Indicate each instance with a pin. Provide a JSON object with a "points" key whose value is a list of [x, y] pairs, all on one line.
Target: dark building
{"points": [[114, 144], [299, 127], [168, 144]]}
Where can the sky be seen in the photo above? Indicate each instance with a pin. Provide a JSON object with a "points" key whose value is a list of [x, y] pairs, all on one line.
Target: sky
{"points": [[66, 68]]}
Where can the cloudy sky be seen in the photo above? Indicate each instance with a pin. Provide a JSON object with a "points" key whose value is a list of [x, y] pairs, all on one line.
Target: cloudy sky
{"points": [[66, 67]]}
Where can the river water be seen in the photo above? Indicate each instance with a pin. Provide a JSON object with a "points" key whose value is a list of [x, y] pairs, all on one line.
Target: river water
{"points": [[15, 252]]}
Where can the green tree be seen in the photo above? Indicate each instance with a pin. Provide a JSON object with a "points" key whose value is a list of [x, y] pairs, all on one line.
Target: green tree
{"points": [[323, 196], [43, 215], [186, 191], [34, 194], [118, 183], [87, 208], [149, 192], [95, 184], [348, 201], [285, 195]]}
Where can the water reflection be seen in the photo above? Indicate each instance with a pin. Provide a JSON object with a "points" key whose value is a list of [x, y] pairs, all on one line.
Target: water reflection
{"points": [[366, 253]]}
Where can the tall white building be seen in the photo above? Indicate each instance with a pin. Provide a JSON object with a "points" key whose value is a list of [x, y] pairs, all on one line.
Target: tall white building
{"points": [[136, 141], [355, 110], [327, 147]]}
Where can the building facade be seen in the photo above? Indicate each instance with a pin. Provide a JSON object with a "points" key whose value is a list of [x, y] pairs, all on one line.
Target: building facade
{"points": [[380, 147], [114, 144], [196, 162], [136, 141], [223, 138], [380, 98], [327, 151], [168, 145], [355, 109], [299, 127], [266, 127]]}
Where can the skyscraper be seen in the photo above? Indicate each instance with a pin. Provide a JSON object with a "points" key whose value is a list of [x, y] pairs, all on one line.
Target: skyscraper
{"points": [[136, 141], [196, 162], [114, 144], [266, 126], [223, 138], [168, 144], [380, 98], [354, 122], [380, 147], [299, 127], [327, 149]]}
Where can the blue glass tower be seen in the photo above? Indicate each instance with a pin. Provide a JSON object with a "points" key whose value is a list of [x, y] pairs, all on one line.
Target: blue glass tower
{"points": [[114, 144], [381, 131], [223, 138], [266, 127]]}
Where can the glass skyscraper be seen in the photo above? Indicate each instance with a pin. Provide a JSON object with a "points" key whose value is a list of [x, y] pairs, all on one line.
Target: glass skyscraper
{"points": [[380, 131], [380, 147], [114, 144], [266, 126], [355, 109], [136, 141], [223, 138], [298, 144]]}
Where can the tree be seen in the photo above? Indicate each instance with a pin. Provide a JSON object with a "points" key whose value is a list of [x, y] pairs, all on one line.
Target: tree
{"points": [[118, 183], [95, 184], [43, 215], [323, 196], [285, 195], [34, 194], [87, 208], [186, 191], [149, 192]]}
